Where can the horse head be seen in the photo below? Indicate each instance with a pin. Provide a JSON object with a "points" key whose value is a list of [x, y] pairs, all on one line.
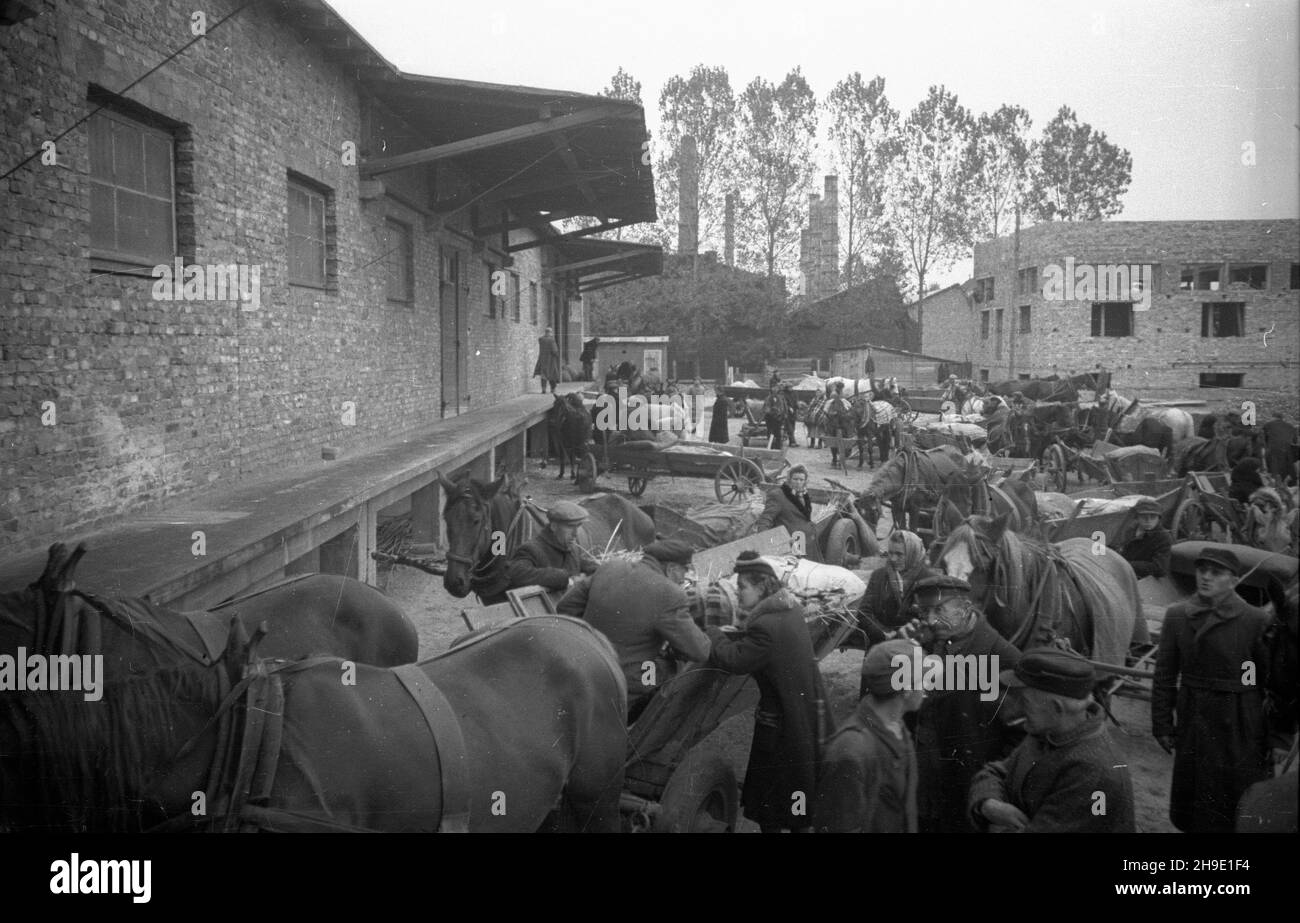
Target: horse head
{"points": [[971, 549], [468, 516]]}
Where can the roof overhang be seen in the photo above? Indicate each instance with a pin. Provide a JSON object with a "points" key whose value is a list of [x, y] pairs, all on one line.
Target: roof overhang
{"points": [[592, 264]]}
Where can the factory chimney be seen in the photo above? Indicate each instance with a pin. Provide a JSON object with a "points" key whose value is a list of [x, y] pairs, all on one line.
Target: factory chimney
{"points": [[688, 211]]}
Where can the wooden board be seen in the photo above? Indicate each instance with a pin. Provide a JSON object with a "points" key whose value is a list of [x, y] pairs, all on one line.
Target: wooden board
{"points": [[719, 561]]}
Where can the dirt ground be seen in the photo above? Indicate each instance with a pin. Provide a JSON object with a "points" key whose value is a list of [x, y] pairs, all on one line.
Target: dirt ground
{"points": [[437, 617]]}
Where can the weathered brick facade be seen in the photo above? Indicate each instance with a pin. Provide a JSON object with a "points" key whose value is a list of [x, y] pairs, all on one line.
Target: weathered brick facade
{"points": [[1166, 353], [110, 400]]}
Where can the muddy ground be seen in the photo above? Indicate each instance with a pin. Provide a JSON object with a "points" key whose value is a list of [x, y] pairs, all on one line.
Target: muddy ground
{"points": [[437, 616]]}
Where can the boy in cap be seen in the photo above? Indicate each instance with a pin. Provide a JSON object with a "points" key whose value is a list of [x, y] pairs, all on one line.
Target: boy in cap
{"points": [[957, 730], [1067, 776], [868, 779], [1207, 699], [641, 607], [551, 558], [1148, 550]]}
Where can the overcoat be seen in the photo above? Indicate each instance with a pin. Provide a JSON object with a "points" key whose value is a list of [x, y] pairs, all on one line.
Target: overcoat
{"points": [[1149, 554], [868, 779], [783, 508], [548, 359], [543, 561]]}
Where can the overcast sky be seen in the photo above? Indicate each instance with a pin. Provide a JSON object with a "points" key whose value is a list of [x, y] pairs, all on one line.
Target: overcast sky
{"points": [[1182, 84]]}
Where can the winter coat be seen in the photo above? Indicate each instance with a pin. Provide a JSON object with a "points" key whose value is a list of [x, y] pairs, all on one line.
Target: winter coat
{"points": [[543, 561], [718, 426], [1148, 554], [548, 359], [1054, 779], [781, 778], [783, 508], [1205, 696], [868, 779]]}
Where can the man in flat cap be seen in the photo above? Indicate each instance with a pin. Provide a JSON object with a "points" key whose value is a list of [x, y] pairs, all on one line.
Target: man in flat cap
{"points": [[868, 779], [552, 558], [1148, 550], [1067, 775], [957, 730], [1207, 698], [641, 607]]}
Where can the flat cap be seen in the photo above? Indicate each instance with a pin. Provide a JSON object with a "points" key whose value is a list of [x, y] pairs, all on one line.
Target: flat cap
{"points": [[1054, 670], [879, 668], [942, 585], [1147, 505], [1223, 557], [566, 511], [670, 551], [750, 563]]}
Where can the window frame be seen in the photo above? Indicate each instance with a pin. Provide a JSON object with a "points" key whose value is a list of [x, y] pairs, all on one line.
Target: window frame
{"points": [[407, 259], [110, 259], [1209, 310], [984, 325], [514, 292], [1201, 383], [1099, 322], [1025, 320], [1238, 266], [296, 181], [1024, 285], [532, 301], [1196, 269]]}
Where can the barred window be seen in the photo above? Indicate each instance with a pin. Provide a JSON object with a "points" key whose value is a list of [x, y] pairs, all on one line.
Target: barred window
{"points": [[308, 244], [132, 191]]}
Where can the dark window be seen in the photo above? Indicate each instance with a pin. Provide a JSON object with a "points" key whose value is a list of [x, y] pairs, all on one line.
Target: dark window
{"points": [[515, 295], [984, 325], [1222, 379], [1295, 275], [1024, 318], [997, 334], [1252, 275], [1199, 277], [132, 195], [984, 290], [399, 260], [1027, 281], [1023, 376], [1112, 319], [984, 374], [307, 240], [532, 303], [1227, 319], [492, 297]]}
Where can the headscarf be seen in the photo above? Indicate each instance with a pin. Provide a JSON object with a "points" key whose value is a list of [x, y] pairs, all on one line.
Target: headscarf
{"points": [[913, 566]]}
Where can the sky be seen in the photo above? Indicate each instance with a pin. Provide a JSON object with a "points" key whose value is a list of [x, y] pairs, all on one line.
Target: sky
{"points": [[1205, 94]]}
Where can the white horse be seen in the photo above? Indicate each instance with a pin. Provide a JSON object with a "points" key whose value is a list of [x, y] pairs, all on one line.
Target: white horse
{"points": [[1177, 419]]}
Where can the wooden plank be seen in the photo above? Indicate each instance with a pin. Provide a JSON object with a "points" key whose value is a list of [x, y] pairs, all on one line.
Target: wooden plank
{"points": [[719, 561]]}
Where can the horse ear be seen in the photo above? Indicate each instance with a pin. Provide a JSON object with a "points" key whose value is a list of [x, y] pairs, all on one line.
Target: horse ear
{"points": [[446, 484], [998, 527], [490, 490]]}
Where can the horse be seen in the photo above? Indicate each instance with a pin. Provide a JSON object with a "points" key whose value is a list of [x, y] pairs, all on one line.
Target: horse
{"points": [[838, 422], [477, 513], [490, 736], [310, 615], [910, 481], [970, 492], [1034, 592], [814, 420], [1052, 388], [874, 423], [1123, 417], [568, 427]]}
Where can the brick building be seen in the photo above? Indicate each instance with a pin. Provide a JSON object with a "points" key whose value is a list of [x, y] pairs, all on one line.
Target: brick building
{"points": [[819, 244], [391, 232], [1175, 309]]}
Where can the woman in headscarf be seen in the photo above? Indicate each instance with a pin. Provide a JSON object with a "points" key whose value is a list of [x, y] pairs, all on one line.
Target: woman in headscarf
{"points": [[789, 722], [881, 612], [1270, 525]]}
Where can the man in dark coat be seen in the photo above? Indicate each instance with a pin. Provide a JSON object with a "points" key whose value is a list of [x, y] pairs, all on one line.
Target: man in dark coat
{"points": [[588, 357], [957, 730], [790, 506], [1244, 479], [1067, 776], [641, 607], [718, 431], [1280, 448], [551, 559], [774, 410], [1148, 550], [774, 646], [548, 360], [868, 777], [1207, 699], [791, 413]]}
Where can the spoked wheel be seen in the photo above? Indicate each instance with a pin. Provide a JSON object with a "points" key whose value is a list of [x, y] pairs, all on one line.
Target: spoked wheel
{"points": [[1052, 464], [735, 480], [636, 486], [701, 796], [1189, 524], [906, 412]]}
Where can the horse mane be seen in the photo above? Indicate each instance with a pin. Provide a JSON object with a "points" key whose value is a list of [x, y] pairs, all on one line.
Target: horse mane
{"points": [[84, 765]]}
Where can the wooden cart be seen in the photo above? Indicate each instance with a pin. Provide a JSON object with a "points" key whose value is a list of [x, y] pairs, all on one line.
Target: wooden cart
{"points": [[735, 472]]}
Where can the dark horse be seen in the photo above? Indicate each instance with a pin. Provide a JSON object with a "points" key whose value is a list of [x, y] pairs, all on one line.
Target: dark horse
{"points": [[568, 428], [911, 481], [1034, 592], [477, 515], [313, 615], [491, 736], [970, 492], [874, 422]]}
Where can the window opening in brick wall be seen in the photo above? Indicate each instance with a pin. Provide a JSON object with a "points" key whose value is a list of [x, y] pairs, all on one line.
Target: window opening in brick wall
{"points": [[308, 237], [1024, 318], [1023, 376], [399, 261], [1112, 319], [1226, 319], [493, 299], [515, 296], [984, 290], [1027, 281], [1295, 275], [997, 334], [132, 192], [1199, 277], [1222, 379], [532, 303], [984, 374], [1252, 275], [984, 325]]}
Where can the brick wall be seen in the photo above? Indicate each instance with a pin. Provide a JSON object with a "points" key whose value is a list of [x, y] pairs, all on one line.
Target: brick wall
{"points": [[155, 399], [1166, 353]]}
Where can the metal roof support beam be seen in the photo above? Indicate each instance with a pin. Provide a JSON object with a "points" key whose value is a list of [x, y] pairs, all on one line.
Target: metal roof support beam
{"points": [[539, 129], [587, 264], [610, 283], [583, 232]]}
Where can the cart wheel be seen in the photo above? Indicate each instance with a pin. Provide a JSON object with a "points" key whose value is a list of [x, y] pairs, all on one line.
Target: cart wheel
{"points": [[841, 541], [587, 474], [1189, 521], [906, 412], [1052, 465], [735, 480], [636, 486], [701, 796]]}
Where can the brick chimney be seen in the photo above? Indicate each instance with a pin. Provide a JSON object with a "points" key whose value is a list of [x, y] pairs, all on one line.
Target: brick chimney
{"points": [[729, 230], [688, 211]]}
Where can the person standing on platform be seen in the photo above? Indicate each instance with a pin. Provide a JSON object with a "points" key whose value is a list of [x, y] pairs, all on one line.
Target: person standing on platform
{"points": [[548, 360]]}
